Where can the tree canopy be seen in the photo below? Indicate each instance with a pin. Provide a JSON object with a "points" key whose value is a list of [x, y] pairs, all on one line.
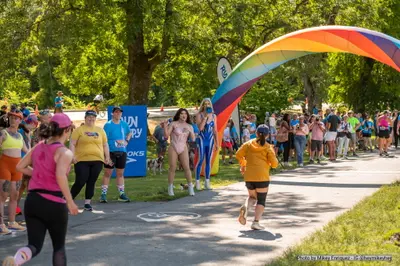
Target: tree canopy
{"points": [[165, 51]]}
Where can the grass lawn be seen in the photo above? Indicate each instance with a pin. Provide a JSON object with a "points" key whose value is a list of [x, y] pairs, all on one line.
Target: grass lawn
{"points": [[363, 230]]}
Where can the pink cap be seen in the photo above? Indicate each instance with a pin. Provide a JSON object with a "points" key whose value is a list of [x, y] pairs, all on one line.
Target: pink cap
{"points": [[62, 120]]}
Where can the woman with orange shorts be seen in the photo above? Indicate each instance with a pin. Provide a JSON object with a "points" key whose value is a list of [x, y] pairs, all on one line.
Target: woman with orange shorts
{"points": [[11, 145]]}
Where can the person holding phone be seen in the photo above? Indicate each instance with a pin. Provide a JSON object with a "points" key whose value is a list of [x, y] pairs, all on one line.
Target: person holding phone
{"points": [[207, 139], [179, 130]]}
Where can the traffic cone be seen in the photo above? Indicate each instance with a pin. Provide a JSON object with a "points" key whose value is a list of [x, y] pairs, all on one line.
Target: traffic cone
{"points": [[162, 108]]}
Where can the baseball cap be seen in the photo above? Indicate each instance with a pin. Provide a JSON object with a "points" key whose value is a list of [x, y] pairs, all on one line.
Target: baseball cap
{"points": [[16, 112], [115, 108], [58, 92], [26, 112], [62, 120], [90, 113], [32, 119], [264, 129]]}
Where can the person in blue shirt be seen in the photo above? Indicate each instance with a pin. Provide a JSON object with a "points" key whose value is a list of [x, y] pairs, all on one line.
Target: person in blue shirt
{"points": [[315, 110], [118, 135], [58, 102], [366, 131]]}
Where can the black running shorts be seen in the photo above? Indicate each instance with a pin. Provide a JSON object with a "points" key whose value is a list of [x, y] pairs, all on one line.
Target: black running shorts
{"points": [[254, 185], [119, 160], [384, 133]]}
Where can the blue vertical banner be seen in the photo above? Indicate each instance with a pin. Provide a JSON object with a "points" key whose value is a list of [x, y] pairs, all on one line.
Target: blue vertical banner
{"points": [[136, 118]]}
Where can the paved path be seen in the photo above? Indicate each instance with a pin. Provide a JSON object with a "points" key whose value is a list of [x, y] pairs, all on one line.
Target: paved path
{"points": [[299, 202]]}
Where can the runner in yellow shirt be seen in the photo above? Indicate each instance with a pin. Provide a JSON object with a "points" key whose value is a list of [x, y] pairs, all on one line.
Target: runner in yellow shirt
{"points": [[256, 157]]}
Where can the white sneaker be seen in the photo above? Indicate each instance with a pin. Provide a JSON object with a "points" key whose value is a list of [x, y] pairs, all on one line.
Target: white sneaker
{"points": [[207, 184], [301, 165], [198, 185], [257, 226], [171, 190], [191, 190]]}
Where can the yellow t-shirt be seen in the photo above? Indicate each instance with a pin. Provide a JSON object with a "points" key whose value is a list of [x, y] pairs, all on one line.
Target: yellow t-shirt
{"points": [[257, 159], [89, 143]]}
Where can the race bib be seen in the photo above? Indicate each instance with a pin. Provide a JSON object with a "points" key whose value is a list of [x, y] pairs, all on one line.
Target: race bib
{"points": [[120, 143]]}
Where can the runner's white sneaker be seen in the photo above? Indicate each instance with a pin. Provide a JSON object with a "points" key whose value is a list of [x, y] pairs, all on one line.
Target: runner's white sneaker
{"points": [[257, 226], [191, 190], [171, 190], [198, 185], [207, 184]]}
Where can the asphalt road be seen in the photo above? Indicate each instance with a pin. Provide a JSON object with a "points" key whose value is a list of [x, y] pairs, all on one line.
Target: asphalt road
{"points": [[203, 230]]}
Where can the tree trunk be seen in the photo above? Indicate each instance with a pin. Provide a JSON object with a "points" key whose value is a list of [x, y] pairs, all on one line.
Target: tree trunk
{"points": [[141, 64], [360, 101], [310, 91], [139, 74]]}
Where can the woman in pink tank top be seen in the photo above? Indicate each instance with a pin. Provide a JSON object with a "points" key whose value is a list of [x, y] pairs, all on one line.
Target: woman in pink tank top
{"points": [[49, 198], [384, 124], [179, 131]]}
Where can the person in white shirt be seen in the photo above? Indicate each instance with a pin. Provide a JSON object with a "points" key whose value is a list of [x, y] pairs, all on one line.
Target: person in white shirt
{"points": [[227, 144], [246, 131]]}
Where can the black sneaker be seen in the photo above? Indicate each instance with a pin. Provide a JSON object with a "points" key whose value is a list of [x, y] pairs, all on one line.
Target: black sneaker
{"points": [[311, 161], [355, 154], [318, 161], [88, 207]]}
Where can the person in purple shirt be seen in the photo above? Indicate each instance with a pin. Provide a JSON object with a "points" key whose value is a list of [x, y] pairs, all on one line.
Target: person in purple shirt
{"points": [[49, 198]]}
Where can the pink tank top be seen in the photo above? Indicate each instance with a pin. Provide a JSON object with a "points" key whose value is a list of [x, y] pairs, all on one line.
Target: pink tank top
{"points": [[179, 139], [384, 123], [44, 170]]}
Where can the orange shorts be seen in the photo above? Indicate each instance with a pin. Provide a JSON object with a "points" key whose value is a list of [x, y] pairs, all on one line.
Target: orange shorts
{"points": [[8, 168]]}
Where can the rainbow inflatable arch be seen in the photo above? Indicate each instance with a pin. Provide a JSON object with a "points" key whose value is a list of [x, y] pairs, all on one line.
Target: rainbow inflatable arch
{"points": [[338, 39]]}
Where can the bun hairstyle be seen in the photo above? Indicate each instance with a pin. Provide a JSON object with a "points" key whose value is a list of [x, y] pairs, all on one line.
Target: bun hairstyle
{"points": [[262, 132], [51, 130]]}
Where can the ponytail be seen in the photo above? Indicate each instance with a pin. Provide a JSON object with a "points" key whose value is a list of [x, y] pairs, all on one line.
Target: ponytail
{"points": [[261, 138], [50, 130]]}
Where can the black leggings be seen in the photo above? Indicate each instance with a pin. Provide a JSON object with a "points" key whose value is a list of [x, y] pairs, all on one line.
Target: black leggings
{"points": [[396, 138], [87, 173], [286, 149], [42, 215]]}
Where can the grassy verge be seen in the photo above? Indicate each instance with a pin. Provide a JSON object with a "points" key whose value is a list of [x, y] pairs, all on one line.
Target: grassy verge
{"points": [[364, 230]]}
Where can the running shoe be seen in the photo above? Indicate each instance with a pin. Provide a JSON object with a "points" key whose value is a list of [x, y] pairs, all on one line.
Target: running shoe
{"points": [[9, 261], [123, 198], [103, 198], [18, 211], [14, 226], [171, 190], [318, 161], [4, 230], [88, 207], [311, 161], [198, 185], [257, 226], [243, 215], [191, 190], [207, 184]]}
